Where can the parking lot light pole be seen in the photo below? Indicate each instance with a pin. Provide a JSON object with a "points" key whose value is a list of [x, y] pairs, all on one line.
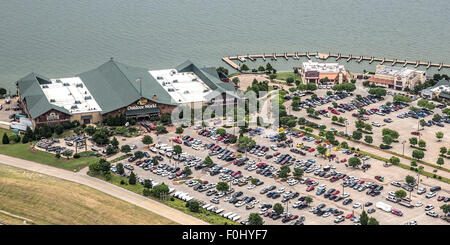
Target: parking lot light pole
{"points": [[404, 147]]}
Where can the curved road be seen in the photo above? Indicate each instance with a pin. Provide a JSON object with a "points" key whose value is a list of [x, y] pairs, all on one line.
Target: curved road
{"points": [[115, 191]]}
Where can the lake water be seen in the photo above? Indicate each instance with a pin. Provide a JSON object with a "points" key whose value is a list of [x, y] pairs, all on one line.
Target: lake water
{"points": [[65, 37]]}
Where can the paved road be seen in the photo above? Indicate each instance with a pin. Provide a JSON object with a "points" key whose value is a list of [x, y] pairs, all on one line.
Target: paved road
{"points": [[128, 196]]}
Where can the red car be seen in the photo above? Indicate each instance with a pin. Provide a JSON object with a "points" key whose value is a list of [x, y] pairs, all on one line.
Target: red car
{"points": [[335, 192], [344, 160], [349, 216], [415, 133], [379, 178], [276, 154], [293, 217], [311, 149], [318, 141], [360, 182], [310, 188], [177, 141], [440, 198]]}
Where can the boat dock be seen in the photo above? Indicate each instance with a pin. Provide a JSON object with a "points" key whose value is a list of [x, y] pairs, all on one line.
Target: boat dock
{"points": [[324, 56]]}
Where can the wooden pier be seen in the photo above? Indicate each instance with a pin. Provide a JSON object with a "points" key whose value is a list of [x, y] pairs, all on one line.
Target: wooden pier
{"points": [[324, 56]]}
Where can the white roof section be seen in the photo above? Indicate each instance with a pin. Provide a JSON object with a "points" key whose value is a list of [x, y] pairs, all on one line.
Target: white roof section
{"points": [[323, 67], [396, 71], [184, 87], [442, 88], [70, 93]]}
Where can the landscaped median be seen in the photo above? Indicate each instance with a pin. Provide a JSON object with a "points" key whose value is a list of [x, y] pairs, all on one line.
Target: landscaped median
{"points": [[203, 214]]}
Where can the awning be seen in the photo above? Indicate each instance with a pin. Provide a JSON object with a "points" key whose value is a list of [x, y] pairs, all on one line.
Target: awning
{"points": [[144, 111], [86, 117]]}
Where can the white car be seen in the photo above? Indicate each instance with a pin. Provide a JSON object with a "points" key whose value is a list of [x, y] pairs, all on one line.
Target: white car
{"points": [[376, 124], [432, 214], [429, 207], [327, 214], [356, 205], [345, 195], [419, 204], [430, 194], [412, 222], [251, 187], [391, 193]]}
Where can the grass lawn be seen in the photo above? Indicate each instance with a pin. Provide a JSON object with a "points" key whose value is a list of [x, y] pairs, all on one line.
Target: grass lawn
{"points": [[23, 151], [205, 215], [285, 75], [44, 200]]}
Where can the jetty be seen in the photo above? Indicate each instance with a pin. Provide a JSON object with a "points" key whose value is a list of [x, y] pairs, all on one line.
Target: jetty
{"points": [[230, 60]]}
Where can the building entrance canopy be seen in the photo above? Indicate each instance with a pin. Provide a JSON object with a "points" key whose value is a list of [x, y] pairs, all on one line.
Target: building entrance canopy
{"points": [[142, 112]]}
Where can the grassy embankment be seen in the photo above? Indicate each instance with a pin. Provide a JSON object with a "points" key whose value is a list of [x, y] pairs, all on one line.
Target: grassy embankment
{"points": [[44, 200], [25, 152], [203, 214]]}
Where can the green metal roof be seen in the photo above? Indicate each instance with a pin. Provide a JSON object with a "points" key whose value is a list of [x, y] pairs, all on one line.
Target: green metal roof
{"points": [[31, 92], [113, 85]]}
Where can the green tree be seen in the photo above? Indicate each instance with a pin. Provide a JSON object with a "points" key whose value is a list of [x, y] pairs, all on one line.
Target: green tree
{"points": [[418, 154], [139, 154], [208, 161], [244, 67], [357, 135], [246, 142], [308, 200], [322, 149], [443, 150], [445, 208], [194, 206], [147, 183], [439, 135], [147, 140], [373, 221], [179, 130], [5, 139], [387, 139], [298, 173], [354, 162], [399, 194], [278, 208], [222, 186], [413, 141], [161, 130], [363, 219], [115, 143], [255, 219], [110, 150], [67, 154], [221, 131], [281, 136], [359, 124], [394, 160], [378, 92], [368, 139], [422, 144], [125, 148], [177, 149], [187, 171], [120, 169], [410, 180], [440, 161], [132, 179]]}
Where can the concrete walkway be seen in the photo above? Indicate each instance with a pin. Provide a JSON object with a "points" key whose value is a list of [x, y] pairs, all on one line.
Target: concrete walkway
{"points": [[113, 190]]}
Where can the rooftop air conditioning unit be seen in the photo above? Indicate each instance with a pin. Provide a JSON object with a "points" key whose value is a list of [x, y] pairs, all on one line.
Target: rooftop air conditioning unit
{"points": [[58, 81], [44, 86], [66, 84], [52, 100], [87, 97], [159, 78], [194, 79], [74, 107], [79, 85], [77, 102], [175, 81]]}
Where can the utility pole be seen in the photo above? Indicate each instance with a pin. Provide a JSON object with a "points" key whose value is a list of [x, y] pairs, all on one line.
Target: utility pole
{"points": [[404, 147]]}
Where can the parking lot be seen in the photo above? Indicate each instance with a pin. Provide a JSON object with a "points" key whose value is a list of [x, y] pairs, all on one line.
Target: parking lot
{"points": [[404, 126], [254, 195]]}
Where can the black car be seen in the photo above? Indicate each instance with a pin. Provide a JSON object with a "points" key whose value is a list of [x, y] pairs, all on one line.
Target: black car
{"points": [[347, 201]]}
